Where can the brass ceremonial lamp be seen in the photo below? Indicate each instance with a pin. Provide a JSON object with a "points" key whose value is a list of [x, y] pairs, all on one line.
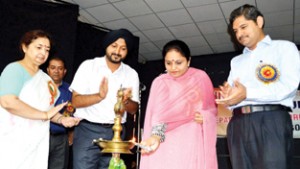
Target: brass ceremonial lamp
{"points": [[116, 146]]}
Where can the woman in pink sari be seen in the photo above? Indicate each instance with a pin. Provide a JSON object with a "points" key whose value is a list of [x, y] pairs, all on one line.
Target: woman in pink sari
{"points": [[180, 123]]}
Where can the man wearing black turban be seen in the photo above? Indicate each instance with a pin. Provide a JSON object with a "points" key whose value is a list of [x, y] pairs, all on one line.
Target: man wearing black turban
{"points": [[114, 35], [94, 89]]}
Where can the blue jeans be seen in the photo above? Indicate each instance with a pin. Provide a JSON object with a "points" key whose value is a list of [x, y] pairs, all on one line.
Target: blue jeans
{"points": [[86, 154]]}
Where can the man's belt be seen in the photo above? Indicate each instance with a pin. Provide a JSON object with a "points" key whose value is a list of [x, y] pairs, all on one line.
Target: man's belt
{"points": [[53, 133], [259, 108], [106, 125]]}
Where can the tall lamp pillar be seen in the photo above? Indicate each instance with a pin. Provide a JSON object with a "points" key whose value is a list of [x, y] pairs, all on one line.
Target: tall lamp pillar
{"points": [[116, 146]]}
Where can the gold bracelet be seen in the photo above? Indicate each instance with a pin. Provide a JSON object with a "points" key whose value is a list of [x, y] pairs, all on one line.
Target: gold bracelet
{"points": [[59, 119]]}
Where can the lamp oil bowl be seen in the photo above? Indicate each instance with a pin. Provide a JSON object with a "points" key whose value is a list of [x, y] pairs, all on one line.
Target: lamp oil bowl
{"points": [[110, 146], [116, 145]]}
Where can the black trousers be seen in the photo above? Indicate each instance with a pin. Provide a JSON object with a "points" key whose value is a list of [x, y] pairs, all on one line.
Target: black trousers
{"points": [[58, 151], [261, 140]]}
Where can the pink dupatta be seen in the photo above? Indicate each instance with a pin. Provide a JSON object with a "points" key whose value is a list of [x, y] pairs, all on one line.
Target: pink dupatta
{"points": [[174, 101]]}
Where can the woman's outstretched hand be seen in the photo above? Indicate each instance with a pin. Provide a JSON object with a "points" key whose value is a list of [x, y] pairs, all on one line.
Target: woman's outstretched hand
{"points": [[52, 112], [152, 143]]}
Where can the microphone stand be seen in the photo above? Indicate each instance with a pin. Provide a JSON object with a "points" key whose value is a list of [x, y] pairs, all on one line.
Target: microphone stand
{"points": [[142, 88]]}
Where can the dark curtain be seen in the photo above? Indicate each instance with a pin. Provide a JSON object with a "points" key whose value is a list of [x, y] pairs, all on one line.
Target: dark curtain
{"points": [[20, 16], [88, 45]]}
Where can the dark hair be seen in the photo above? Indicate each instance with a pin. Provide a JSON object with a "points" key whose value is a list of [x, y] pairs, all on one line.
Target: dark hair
{"points": [[250, 12], [179, 46], [29, 36], [57, 58]]}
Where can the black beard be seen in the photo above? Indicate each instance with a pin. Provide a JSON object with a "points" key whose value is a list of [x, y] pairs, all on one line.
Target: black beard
{"points": [[110, 58]]}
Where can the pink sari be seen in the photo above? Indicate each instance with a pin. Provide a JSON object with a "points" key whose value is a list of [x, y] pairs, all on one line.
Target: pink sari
{"points": [[174, 101]]}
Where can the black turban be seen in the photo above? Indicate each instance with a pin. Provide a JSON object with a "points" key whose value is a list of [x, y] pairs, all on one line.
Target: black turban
{"points": [[114, 35]]}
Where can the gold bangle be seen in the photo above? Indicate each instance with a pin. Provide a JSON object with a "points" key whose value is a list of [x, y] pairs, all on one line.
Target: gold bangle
{"points": [[59, 119]]}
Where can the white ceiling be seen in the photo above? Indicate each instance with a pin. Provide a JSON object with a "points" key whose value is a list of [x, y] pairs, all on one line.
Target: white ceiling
{"points": [[202, 24]]}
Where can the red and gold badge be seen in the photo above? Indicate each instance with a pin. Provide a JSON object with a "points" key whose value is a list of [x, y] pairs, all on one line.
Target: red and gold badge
{"points": [[267, 73], [53, 91], [69, 110]]}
